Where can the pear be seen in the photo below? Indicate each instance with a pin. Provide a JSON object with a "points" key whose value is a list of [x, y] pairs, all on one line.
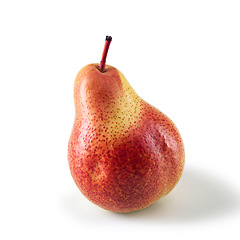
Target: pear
{"points": [[123, 153]]}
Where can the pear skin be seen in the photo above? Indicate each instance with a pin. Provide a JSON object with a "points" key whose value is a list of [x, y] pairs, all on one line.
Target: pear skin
{"points": [[123, 153]]}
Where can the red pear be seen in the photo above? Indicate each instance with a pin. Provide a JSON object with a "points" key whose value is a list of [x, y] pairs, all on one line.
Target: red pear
{"points": [[123, 153]]}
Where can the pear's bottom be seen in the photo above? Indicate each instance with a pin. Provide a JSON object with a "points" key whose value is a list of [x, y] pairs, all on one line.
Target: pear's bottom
{"points": [[124, 198]]}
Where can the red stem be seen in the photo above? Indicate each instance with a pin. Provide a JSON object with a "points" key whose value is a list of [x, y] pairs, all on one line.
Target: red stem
{"points": [[104, 54]]}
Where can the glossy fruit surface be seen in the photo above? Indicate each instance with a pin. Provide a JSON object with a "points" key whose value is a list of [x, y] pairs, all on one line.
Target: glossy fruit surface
{"points": [[124, 154]]}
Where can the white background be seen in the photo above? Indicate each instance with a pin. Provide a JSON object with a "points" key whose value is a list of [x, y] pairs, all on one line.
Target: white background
{"points": [[181, 56]]}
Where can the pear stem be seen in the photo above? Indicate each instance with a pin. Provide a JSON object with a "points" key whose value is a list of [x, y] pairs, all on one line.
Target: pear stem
{"points": [[104, 54]]}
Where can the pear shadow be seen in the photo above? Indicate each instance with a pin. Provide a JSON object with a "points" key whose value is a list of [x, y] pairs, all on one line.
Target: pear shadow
{"points": [[197, 197]]}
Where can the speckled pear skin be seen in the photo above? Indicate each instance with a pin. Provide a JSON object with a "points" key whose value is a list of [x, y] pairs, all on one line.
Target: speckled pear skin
{"points": [[123, 153]]}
